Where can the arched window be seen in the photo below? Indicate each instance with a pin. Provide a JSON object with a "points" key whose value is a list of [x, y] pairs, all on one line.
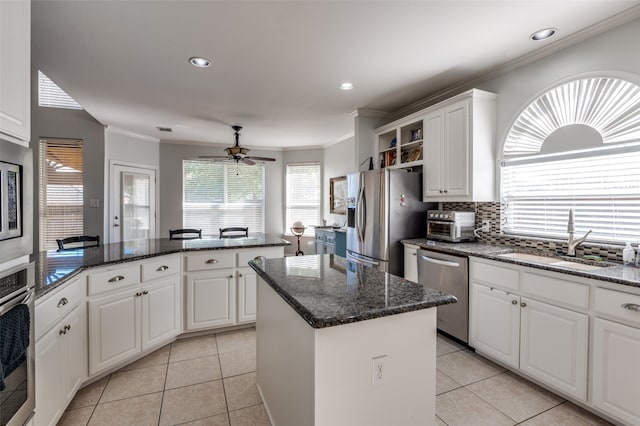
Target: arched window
{"points": [[576, 146]]}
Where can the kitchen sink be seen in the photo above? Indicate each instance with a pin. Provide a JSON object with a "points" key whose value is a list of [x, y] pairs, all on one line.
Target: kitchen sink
{"points": [[577, 264]]}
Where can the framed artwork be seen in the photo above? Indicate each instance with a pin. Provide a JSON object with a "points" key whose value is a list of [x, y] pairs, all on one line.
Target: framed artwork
{"points": [[338, 195]]}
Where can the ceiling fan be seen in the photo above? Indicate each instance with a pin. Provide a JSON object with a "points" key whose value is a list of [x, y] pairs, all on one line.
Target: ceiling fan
{"points": [[237, 153]]}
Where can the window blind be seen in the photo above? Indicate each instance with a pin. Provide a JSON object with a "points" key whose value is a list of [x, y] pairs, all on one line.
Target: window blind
{"points": [[51, 95], [303, 194], [61, 191], [220, 195], [604, 191]]}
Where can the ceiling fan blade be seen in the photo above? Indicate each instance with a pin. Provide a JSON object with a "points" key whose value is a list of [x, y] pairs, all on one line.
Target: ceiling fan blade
{"points": [[261, 158], [248, 162]]}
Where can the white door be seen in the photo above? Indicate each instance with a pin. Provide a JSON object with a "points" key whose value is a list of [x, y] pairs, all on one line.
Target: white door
{"points": [[247, 296], [554, 346], [75, 353], [160, 311], [616, 376], [211, 299], [133, 203], [49, 376], [456, 149], [495, 324]]}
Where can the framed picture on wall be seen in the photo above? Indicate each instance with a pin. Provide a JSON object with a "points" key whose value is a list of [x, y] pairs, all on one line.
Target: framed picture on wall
{"points": [[338, 195]]}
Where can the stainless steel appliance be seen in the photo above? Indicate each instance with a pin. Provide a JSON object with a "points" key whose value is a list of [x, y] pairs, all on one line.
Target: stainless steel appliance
{"points": [[383, 207], [17, 348], [449, 274], [452, 226]]}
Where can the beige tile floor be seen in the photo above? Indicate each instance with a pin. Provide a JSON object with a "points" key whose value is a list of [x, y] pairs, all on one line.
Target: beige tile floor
{"points": [[210, 380]]}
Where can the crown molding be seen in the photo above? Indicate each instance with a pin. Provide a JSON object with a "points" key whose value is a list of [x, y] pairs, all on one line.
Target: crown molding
{"points": [[603, 26], [339, 139], [124, 132], [372, 113]]}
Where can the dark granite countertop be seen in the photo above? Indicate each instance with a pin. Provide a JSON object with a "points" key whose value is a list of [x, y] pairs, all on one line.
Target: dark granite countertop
{"points": [[614, 272], [55, 267], [326, 291]]}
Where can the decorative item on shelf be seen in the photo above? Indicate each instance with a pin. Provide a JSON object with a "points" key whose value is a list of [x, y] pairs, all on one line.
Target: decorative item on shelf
{"points": [[389, 158], [414, 155], [393, 143], [297, 229], [404, 157], [338, 195], [416, 135]]}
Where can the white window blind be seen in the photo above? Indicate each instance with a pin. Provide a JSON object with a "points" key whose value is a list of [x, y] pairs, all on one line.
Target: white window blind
{"points": [[61, 191], [303, 194], [220, 195], [603, 189], [51, 95]]}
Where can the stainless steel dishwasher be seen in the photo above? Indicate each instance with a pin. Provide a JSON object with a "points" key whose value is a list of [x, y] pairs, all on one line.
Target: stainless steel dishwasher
{"points": [[449, 274]]}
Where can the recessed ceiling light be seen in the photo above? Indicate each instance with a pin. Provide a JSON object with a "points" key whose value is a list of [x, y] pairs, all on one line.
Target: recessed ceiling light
{"points": [[542, 34], [346, 86], [200, 62]]}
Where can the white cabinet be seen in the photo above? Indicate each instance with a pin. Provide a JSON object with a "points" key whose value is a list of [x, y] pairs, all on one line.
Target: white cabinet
{"points": [[15, 71], [459, 160], [133, 317], [61, 359], [411, 262], [543, 340], [221, 288]]}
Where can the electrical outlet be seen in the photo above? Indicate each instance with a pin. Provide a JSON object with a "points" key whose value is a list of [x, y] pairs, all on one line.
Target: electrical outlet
{"points": [[378, 370], [486, 226]]}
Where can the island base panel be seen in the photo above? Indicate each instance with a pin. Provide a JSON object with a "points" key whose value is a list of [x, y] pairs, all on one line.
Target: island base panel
{"points": [[324, 376]]}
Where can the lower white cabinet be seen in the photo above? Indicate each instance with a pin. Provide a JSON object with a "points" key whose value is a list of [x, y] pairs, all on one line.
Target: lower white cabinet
{"points": [[545, 341], [210, 299], [616, 376], [123, 324], [411, 262], [61, 360], [247, 295]]}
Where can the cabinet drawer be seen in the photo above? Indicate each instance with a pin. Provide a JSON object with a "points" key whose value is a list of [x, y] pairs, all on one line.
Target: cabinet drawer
{"points": [[211, 260], [611, 303], [556, 290], [56, 306], [162, 267], [495, 276], [113, 279]]}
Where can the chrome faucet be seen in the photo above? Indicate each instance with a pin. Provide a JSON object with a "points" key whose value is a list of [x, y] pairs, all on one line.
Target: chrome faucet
{"points": [[573, 243]]}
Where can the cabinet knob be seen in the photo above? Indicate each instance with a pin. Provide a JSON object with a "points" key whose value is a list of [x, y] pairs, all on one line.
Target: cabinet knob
{"points": [[162, 268], [62, 331], [145, 292], [62, 302], [446, 190], [414, 254], [239, 275], [230, 276], [631, 306], [212, 261], [67, 327], [524, 305], [116, 279], [514, 302], [138, 294], [441, 191]]}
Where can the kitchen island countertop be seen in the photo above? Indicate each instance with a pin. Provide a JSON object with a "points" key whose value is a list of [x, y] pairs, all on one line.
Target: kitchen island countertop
{"points": [[55, 267]]}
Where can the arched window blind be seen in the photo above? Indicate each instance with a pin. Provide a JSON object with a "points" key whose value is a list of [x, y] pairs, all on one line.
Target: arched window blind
{"points": [[61, 191], [220, 195], [51, 95], [601, 184], [303, 194]]}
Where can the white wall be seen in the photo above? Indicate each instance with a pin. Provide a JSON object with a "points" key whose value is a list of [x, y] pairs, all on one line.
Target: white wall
{"points": [[339, 160], [170, 180]]}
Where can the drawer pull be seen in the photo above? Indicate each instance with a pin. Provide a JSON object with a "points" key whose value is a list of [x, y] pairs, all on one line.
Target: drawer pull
{"points": [[145, 292], [162, 268], [116, 279], [631, 306], [212, 261], [62, 302]]}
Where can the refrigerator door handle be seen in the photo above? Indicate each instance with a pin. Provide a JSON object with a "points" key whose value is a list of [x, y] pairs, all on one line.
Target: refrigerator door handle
{"points": [[360, 214], [361, 261], [439, 262]]}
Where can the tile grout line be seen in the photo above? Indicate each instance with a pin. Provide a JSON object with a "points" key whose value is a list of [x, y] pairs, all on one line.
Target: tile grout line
{"points": [[164, 385], [542, 412], [99, 398]]}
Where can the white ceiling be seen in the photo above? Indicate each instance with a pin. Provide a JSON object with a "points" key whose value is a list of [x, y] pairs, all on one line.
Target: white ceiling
{"points": [[277, 65]]}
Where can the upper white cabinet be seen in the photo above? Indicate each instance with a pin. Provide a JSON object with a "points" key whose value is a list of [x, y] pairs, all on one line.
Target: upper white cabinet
{"points": [[15, 71], [459, 158]]}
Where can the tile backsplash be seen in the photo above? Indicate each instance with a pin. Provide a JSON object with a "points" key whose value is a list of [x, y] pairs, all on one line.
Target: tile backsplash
{"points": [[493, 212]]}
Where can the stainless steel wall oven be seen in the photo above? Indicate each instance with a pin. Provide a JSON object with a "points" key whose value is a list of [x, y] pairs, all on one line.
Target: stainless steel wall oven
{"points": [[17, 348]]}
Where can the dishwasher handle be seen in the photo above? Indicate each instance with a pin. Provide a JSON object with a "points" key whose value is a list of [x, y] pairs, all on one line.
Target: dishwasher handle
{"points": [[439, 262]]}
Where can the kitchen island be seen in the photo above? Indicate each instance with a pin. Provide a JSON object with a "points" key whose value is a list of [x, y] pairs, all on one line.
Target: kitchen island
{"points": [[342, 344]]}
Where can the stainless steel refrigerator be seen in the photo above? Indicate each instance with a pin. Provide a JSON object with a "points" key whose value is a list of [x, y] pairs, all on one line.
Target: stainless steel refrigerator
{"points": [[384, 207]]}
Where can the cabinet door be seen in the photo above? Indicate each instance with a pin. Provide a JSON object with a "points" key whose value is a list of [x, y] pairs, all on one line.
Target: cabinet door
{"points": [[49, 377], [160, 311], [114, 329], [495, 324], [554, 346], [15, 71], [210, 299], [75, 351], [432, 174], [616, 376], [247, 298], [411, 263], [456, 149]]}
